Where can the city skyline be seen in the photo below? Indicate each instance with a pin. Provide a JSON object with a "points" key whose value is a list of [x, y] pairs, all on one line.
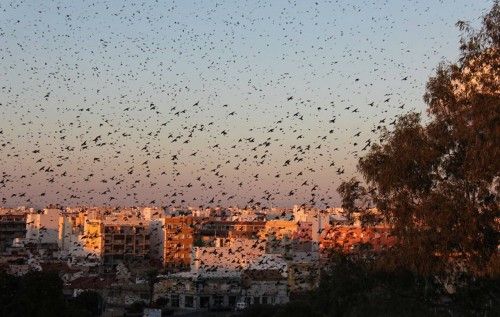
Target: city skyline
{"points": [[250, 158]]}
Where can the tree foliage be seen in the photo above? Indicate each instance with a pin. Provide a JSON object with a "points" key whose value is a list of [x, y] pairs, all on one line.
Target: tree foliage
{"points": [[35, 294], [357, 202], [352, 194], [91, 302], [438, 181], [351, 286]]}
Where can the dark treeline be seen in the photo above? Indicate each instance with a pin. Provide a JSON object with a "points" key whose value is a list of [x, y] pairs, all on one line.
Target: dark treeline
{"points": [[361, 287], [41, 294]]}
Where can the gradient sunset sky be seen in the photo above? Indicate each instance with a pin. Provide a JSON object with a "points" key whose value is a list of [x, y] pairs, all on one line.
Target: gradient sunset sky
{"points": [[204, 102]]}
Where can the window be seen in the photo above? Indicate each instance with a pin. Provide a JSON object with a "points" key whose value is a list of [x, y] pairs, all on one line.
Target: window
{"points": [[218, 301], [204, 301], [256, 300], [175, 300], [264, 300], [232, 301], [188, 301]]}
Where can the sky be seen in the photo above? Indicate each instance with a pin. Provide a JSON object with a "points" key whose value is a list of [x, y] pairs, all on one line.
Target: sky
{"points": [[205, 103]]}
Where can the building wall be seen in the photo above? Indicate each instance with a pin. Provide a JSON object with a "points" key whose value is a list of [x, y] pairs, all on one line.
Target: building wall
{"points": [[71, 232], [124, 241], [157, 234], [278, 235], [178, 242], [43, 228], [12, 226], [348, 238], [198, 293], [93, 236], [236, 254], [267, 292]]}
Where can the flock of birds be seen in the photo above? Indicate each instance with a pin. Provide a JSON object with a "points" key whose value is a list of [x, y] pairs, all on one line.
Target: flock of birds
{"points": [[226, 103]]}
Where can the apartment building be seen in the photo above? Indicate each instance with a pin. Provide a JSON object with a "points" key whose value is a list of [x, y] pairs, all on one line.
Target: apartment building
{"points": [[42, 229], [12, 226], [178, 242], [118, 238]]}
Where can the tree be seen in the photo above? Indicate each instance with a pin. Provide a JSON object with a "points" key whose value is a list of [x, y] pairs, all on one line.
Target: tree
{"points": [[35, 294], [353, 196], [357, 202], [152, 279], [40, 294], [135, 308], [90, 301], [438, 182], [8, 286]]}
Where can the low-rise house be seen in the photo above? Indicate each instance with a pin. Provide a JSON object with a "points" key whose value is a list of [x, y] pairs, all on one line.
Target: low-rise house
{"points": [[265, 281], [200, 290], [267, 287], [125, 293], [99, 284]]}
